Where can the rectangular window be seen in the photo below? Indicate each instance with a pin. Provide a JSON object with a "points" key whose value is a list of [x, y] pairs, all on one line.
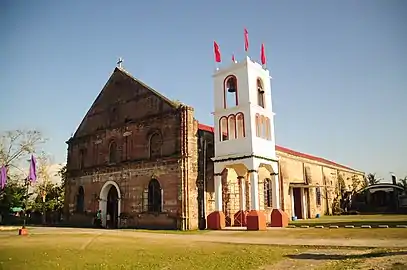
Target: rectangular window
{"points": [[145, 201], [318, 196]]}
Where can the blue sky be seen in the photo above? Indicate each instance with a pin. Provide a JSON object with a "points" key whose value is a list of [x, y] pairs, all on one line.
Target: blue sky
{"points": [[339, 67]]}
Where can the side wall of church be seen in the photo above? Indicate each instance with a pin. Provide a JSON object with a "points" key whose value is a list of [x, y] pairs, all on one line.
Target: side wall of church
{"points": [[294, 171], [302, 171]]}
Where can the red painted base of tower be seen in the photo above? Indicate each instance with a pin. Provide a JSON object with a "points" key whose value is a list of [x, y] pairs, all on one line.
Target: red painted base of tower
{"points": [[23, 231], [216, 221], [279, 218], [256, 221], [240, 218]]}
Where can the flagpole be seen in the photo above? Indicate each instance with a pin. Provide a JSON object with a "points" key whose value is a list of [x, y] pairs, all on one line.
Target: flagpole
{"points": [[32, 175], [246, 42], [25, 203]]}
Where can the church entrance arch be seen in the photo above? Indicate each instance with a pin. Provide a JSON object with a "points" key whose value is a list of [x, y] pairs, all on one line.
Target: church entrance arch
{"points": [[110, 204]]}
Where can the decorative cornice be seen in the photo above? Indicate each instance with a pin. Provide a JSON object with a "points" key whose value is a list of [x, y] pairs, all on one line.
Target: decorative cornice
{"points": [[245, 157]]}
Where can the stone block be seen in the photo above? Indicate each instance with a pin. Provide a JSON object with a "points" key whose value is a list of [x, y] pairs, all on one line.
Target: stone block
{"points": [[23, 231], [278, 218], [256, 221], [216, 221]]}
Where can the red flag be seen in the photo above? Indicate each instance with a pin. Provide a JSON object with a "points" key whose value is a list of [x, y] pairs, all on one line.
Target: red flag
{"points": [[233, 58], [263, 55], [246, 40], [217, 52]]}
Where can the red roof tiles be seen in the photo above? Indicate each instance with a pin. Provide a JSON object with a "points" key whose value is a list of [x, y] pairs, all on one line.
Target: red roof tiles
{"points": [[287, 151]]}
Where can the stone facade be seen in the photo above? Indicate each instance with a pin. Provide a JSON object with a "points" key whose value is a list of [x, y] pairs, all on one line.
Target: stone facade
{"points": [[132, 135]]}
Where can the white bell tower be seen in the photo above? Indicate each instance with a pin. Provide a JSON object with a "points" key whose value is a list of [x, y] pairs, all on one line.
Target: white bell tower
{"points": [[244, 137], [244, 118]]}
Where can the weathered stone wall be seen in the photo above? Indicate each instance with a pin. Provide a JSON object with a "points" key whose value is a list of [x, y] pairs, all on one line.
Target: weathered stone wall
{"points": [[128, 114], [133, 181], [298, 170]]}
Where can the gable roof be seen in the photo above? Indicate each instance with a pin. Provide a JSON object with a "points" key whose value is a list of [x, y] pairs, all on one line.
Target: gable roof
{"points": [[173, 103], [120, 70], [289, 151]]}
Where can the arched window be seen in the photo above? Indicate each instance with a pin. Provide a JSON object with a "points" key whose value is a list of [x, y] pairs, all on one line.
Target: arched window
{"points": [[262, 127], [223, 129], [257, 122], [318, 195], [82, 157], [156, 143], [232, 126], [230, 92], [240, 132], [267, 128], [268, 199], [260, 93], [113, 152], [155, 194], [80, 200]]}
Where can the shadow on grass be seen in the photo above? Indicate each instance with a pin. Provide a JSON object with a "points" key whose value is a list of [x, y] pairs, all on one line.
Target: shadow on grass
{"points": [[315, 256]]}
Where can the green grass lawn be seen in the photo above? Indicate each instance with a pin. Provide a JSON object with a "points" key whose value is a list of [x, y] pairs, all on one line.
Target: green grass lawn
{"points": [[356, 220], [120, 252], [126, 251], [313, 233]]}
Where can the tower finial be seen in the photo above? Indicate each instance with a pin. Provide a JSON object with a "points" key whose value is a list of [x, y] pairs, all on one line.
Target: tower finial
{"points": [[119, 63]]}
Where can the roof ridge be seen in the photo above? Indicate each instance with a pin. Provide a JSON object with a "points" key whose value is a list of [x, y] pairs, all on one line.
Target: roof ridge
{"points": [[173, 103]]}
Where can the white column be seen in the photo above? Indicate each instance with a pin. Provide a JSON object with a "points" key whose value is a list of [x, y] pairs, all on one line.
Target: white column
{"points": [[218, 192], [304, 205], [275, 189], [242, 193], [254, 185]]}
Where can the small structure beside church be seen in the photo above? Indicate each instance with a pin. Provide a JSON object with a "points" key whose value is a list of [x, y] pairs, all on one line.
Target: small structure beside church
{"points": [[145, 161]]}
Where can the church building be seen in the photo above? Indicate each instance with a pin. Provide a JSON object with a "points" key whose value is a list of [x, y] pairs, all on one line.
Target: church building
{"points": [[146, 162]]}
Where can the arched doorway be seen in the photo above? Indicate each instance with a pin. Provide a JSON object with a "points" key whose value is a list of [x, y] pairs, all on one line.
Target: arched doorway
{"points": [[112, 208], [110, 203]]}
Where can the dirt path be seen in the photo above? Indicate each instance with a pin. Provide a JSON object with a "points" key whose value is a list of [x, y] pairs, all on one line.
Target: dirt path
{"points": [[311, 260], [222, 237]]}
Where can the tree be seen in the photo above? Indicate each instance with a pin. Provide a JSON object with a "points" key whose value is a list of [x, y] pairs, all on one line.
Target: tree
{"points": [[357, 183], [16, 147], [62, 173], [403, 183], [13, 195], [371, 179], [48, 196], [15, 150]]}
